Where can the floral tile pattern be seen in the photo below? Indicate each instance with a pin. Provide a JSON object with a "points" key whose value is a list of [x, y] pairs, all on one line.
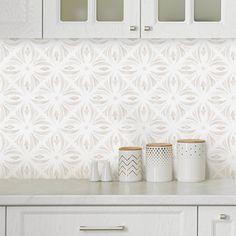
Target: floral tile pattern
{"points": [[66, 102]]}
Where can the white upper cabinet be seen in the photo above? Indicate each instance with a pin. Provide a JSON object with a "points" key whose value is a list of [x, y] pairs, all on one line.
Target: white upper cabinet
{"points": [[91, 19], [188, 19], [117, 18], [20, 18]]}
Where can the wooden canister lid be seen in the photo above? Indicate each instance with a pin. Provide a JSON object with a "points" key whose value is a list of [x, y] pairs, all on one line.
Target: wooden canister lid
{"points": [[191, 141], [159, 145], [130, 148]]}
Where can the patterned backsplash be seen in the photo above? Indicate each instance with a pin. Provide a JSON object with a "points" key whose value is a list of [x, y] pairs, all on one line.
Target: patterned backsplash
{"points": [[66, 102]]}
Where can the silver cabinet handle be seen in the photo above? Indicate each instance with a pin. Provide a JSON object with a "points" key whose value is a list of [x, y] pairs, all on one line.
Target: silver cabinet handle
{"points": [[147, 28], [133, 28], [223, 217], [102, 228]]}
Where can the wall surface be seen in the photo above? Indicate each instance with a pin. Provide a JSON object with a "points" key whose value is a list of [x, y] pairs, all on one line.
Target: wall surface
{"points": [[65, 102]]}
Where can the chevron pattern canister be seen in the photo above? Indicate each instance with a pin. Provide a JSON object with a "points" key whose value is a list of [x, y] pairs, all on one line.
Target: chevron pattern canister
{"points": [[130, 164]]}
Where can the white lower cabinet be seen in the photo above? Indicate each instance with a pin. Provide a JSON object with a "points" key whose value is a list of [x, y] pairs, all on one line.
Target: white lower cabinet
{"points": [[91, 221], [217, 221], [2, 221], [117, 220]]}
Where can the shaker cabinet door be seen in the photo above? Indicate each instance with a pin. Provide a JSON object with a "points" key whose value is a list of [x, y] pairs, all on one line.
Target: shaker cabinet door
{"points": [[92, 221], [217, 221], [2, 221], [21, 19], [91, 19], [188, 19]]}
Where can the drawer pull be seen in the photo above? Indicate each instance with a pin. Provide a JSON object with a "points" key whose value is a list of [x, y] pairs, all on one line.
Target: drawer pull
{"points": [[223, 217], [133, 28], [147, 28], [102, 228]]}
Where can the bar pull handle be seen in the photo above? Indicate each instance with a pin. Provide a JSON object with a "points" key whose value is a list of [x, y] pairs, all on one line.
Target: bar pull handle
{"points": [[102, 228]]}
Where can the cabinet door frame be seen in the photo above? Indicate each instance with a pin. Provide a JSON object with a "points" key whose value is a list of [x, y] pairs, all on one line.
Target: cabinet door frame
{"points": [[55, 28], [29, 26], [188, 28], [2, 221], [210, 220]]}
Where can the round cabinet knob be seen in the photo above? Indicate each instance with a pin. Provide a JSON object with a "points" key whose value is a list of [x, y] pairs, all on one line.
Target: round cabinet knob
{"points": [[147, 28], [223, 217], [133, 28]]}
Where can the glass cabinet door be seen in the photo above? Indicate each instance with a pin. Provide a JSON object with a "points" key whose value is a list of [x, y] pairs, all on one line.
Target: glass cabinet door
{"points": [[188, 19], [169, 10], [91, 18], [110, 10], [164, 18], [74, 10], [106, 10], [207, 10]]}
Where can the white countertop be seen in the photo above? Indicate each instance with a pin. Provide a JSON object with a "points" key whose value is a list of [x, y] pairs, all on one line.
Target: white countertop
{"points": [[82, 192]]}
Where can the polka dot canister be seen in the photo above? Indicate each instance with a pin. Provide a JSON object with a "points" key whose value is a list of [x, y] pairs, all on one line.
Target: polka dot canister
{"points": [[191, 157], [159, 162]]}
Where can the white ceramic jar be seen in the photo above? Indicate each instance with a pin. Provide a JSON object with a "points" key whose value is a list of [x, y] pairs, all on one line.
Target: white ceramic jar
{"points": [[159, 162], [130, 164], [191, 157]]}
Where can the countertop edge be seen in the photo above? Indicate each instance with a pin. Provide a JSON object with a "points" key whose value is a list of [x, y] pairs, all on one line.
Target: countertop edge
{"points": [[116, 200]]}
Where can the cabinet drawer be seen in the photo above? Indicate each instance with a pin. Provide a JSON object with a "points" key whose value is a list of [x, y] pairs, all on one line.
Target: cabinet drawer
{"points": [[89, 221], [2, 221], [217, 221]]}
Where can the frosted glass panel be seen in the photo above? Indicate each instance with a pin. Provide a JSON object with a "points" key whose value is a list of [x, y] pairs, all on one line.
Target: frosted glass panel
{"points": [[171, 10], [74, 10], [110, 10], [207, 10]]}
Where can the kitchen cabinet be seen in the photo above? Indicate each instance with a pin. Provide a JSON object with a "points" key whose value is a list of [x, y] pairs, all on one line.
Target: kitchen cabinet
{"points": [[2, 220], [188, 19], [91, 19], [21, 19], [80, 207], [117, 19], [217, 221], [128, 220]]}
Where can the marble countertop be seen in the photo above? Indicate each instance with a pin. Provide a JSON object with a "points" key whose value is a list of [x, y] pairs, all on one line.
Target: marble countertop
{"points": [[82, 192]]}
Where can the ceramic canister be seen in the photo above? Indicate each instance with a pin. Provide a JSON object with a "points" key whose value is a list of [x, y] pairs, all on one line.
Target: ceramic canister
{"points": [[159, 162], [191, 155], [130, 164]]}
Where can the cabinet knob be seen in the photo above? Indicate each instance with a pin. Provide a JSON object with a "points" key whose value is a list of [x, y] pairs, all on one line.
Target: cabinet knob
{"points": [[147, 28], [133, 28], [223, 217]]}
